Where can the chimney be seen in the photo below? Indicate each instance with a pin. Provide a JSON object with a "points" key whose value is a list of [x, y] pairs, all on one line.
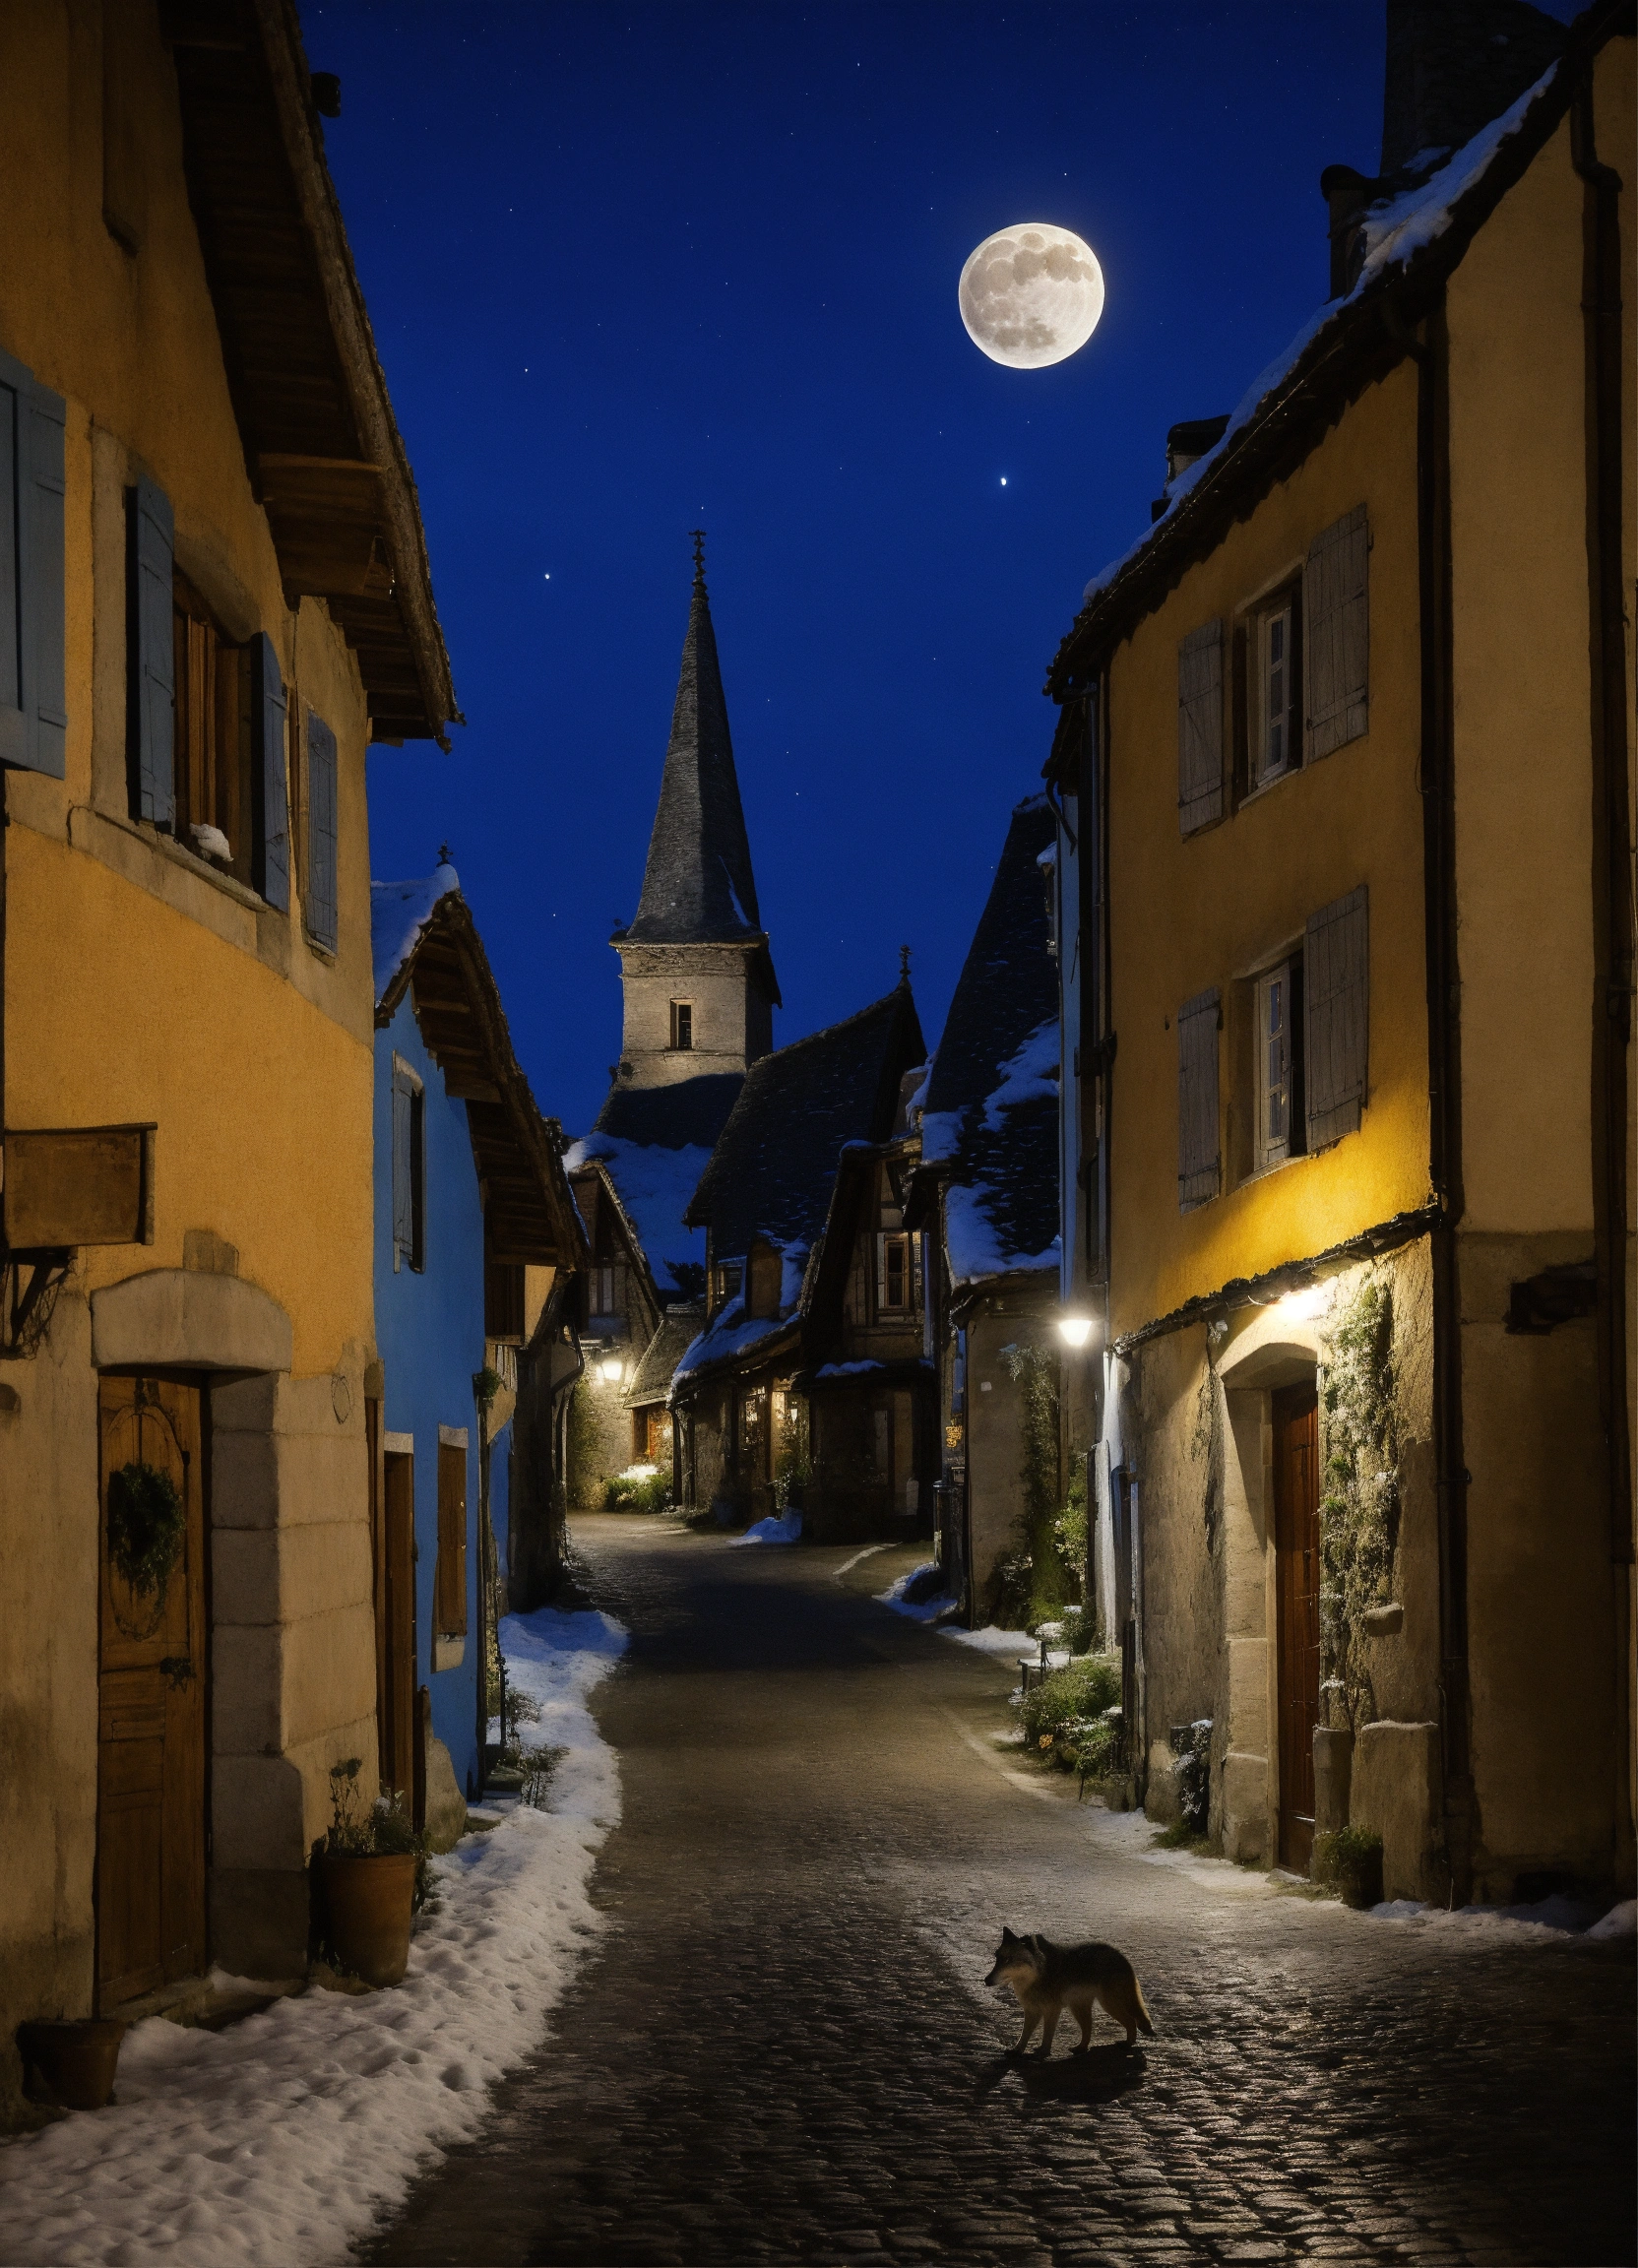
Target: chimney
{"points": [[1185, 444], [1453, 65]]}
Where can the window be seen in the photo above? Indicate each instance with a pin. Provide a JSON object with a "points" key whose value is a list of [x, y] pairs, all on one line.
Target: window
{"points": [[212, 733], [33, 721], [1276, 1061], [725, 1281], [449, 1582], [753, 1429], [897, 1288], [682, 1023], [1276, 725], [322, 922], [604, 1289], [408, 1168]]}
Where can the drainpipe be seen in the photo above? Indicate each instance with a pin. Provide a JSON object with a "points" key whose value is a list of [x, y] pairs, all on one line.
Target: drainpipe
{"points": [[1436, 782], [1611, 876]]}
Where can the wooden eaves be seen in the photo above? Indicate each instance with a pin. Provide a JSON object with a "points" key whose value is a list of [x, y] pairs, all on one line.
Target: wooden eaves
{"points": [[1369, 333], [322, 448], [528, 1209]]}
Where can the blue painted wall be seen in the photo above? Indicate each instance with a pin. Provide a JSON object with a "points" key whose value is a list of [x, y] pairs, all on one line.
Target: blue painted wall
{"points": [[429, 1333]]}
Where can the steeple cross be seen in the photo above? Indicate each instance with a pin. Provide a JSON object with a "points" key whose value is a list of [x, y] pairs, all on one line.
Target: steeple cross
{"points": [[699, 558], [904, 964]]}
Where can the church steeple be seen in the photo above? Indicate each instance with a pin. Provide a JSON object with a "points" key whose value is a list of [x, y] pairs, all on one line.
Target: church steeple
{"points": [[698, 978], [698, 887]]}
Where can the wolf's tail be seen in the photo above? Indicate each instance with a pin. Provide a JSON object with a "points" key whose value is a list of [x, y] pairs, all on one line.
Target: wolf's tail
{"points": [[1144, 2025]]}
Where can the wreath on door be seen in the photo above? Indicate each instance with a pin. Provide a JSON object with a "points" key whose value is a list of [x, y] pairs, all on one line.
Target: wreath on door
{"points": [[146, 1523]]}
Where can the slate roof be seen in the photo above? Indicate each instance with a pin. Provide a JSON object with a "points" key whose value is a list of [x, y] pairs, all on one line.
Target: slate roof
{"points": [[688, 1114], [678, 1327], [698, 888], [990, 1116], [772, 1171]]}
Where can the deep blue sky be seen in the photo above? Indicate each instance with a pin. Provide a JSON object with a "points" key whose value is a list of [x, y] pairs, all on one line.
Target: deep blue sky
{"points": [[639, 269]]}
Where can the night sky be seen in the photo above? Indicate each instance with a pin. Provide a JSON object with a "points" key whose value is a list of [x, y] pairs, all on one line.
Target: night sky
{"points": [[636, 270]]}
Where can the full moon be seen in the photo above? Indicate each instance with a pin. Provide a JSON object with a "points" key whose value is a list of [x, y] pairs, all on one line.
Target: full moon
{"points": [[1032, 295]]}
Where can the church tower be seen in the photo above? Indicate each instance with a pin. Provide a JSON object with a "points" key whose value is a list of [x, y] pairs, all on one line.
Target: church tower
{"points": [[698, 977]]}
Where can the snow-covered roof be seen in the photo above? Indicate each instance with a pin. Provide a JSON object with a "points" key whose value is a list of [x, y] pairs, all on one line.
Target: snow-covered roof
{"points": [[1431, 220], [731, 1332], [991, 1114], [399, 913], [654, 1185]]}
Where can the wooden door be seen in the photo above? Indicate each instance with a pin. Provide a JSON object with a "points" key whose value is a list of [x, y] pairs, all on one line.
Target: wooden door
{"points": [[396, 1632], [151, 1729], [1297, 1576]]}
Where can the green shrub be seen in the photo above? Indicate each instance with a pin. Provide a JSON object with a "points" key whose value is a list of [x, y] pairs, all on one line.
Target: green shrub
{"points": [[1078, 1693], [639, 1489], [1011, 1591]]}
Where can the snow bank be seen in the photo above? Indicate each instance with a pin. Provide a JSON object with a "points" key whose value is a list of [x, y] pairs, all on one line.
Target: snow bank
{"points": [[284, 2139], [917, 1610], [988, 1640], [1543, 1919], [778, 1528]]}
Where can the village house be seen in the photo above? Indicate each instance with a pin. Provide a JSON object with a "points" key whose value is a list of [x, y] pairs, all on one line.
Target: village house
{"points": [[812, 1357], [474, 1224], [617, 1323], [986, 1188], [1346, 767], [222, 599]]}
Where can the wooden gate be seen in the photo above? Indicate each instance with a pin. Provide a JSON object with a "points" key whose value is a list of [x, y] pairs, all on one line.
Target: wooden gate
{"points": [[151, 1729], [1296, 1577]]}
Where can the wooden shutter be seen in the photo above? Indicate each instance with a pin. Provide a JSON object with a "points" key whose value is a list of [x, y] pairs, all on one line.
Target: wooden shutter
{"points": [[1199, 1164], [34, 718], [1336, 1018], [152, 656], [322, 919], [403, 1198], [269, 795], [1200, 727], [450, 1581], [1336, 634]]}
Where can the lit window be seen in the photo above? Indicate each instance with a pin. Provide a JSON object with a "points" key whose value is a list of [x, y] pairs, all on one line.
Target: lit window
{"points": [[895, 1285]]}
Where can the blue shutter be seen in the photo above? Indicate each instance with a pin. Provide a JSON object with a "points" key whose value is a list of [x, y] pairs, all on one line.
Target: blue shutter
{"points": [[271, 810], [153, 654], [322, 919], [34, 716]]}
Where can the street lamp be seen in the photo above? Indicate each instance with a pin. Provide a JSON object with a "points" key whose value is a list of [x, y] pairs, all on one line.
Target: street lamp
{"points": [[1075, 1330], [610, 1367]]}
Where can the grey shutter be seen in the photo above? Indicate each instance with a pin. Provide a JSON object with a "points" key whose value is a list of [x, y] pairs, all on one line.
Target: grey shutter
{"points": [[33, 716], [1335, 1018], [322, 917], [270, 798], [403, 1207], [1200, 727], [1336, 634], [153, 654], [1199, 1163]]}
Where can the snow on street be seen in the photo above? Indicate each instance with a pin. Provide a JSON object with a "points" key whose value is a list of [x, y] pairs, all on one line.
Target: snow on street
{"points": [[281, 2139]]}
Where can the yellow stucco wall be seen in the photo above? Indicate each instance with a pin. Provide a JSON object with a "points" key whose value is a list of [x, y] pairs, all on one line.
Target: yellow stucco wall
{"points": [[1521, 724], [1217, 907]]}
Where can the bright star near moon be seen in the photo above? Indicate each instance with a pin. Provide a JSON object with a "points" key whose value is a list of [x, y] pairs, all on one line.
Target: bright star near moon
{"points": [[1032, 295]]}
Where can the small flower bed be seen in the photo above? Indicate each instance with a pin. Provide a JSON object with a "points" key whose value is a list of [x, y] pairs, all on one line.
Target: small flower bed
{"points": [[639, 1489], [1065, 1717]]}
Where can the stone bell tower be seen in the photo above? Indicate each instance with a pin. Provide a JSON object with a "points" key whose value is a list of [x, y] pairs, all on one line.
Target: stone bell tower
{"points": [[698, 977]]}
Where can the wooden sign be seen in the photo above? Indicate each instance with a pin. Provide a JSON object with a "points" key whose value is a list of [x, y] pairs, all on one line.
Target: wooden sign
{"points": [[78, 1185]]}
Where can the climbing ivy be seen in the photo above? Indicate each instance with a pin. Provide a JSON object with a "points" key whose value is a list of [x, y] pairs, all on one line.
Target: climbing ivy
{"points": [[1044, 1559], [1360, 1510]]}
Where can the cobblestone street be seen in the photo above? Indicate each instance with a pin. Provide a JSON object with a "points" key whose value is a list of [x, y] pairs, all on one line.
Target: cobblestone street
{"points": [[780, 2049]]}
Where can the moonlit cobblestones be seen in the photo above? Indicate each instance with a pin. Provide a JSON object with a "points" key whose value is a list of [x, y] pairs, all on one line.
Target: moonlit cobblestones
{"points": [[780, 2051]]}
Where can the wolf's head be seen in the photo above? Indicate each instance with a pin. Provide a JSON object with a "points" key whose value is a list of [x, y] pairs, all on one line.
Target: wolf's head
{"points": [[1015, 1957]]}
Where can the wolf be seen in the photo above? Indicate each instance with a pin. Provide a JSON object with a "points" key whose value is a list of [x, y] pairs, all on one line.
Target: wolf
{"points": [[1048, 1977]]}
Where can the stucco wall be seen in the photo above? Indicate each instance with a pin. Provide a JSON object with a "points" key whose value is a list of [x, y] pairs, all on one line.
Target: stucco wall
{"points": [[733, 1018], [429, 1328]]}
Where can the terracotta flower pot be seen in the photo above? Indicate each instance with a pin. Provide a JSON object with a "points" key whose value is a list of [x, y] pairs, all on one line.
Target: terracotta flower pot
{"points": [[370, 1902], [74, 2060]]}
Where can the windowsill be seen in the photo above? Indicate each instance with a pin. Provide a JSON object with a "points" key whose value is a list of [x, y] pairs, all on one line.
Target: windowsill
{"points": [[190, 862], [324, 953], [1268, 785]]}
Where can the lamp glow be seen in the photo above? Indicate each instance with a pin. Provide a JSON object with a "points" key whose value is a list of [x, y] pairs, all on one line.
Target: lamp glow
{"points": [[1302, 1307], [1075, 1330], [612, 1367]]}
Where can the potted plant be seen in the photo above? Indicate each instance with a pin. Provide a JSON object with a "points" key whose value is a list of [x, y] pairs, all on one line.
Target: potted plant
{"points": [[72, 2062], [376, 1874], [1351, 1858]]}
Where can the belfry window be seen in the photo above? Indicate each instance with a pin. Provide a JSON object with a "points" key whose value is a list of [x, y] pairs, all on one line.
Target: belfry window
{"points": [[682, 1023]]}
